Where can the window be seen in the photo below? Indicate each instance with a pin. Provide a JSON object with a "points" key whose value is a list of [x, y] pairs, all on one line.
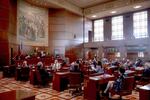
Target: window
{"points": [[99, 30], [117, 28], [140, 29], [141, 54]]}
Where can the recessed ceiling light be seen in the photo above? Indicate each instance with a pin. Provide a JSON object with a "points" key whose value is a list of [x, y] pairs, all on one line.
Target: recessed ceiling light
{"points": [[94, 16], [113, 12], [138, 6]]}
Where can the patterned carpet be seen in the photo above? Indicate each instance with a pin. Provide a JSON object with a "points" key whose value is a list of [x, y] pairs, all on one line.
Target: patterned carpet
{"points": [[8, 84]]}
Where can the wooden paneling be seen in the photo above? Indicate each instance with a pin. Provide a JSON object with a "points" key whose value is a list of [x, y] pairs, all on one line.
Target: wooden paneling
{"points": [[4, 3], [57, 27], [65, 31], [12, 30], [4, 53], [4, 24], [4, 13]]}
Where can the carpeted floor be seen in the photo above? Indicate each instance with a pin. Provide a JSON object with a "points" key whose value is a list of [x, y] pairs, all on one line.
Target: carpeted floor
{"points": [[8, 84]]}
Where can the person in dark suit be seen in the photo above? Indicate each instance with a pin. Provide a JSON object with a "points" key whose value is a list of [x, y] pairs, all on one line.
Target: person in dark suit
{"points": [[145, 79], [45, 76], [146, 72], [138, 63], [74, 67]]}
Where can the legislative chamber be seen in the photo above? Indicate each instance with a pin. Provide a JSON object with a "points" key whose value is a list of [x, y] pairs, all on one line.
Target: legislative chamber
{"points": [[74, 49]]}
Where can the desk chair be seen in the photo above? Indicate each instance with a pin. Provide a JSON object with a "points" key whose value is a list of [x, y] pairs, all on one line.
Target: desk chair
{"points": [[143, 81], [25, 74], [75, 81], [38, 79]]}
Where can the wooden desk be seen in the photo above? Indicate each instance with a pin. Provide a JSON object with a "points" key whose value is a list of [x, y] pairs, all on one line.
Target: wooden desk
{"points": [[59, 79], [127, 72], [91, 85], [9, 71], [110, 70], [17, 95], [18, 73], [64, 69], [139, 71], [33, 79], [144, 92]]}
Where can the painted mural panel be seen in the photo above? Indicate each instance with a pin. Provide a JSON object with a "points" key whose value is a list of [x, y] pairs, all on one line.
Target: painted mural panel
{"points": [[32, 24]]}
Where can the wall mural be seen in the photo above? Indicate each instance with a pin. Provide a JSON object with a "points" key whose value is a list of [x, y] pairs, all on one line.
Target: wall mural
{"points": [[32, 24]]}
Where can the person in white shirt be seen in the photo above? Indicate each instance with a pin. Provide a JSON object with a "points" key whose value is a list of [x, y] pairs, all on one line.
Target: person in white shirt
{"points": [[98, 68], [56, 66], [25, 64]]}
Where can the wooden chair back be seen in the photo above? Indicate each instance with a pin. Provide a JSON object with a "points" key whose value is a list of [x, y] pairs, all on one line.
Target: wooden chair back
{"points": [[75, 79], [128, 85]]}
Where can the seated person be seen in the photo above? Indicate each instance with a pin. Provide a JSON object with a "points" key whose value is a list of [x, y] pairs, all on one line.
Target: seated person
{"points": [[39, 65], [138, 63], [146, 72], [117, 84], [64, 63], [45, 76], [116, 63], [27, 57], [98, 68], [56, 66], [25, 64], [74, 67], [145, 79], [42, 55]]}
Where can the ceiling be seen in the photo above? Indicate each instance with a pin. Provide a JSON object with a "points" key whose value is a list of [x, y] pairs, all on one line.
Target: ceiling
{"points": [[120, 7], [100, 8], [87, 3]]}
